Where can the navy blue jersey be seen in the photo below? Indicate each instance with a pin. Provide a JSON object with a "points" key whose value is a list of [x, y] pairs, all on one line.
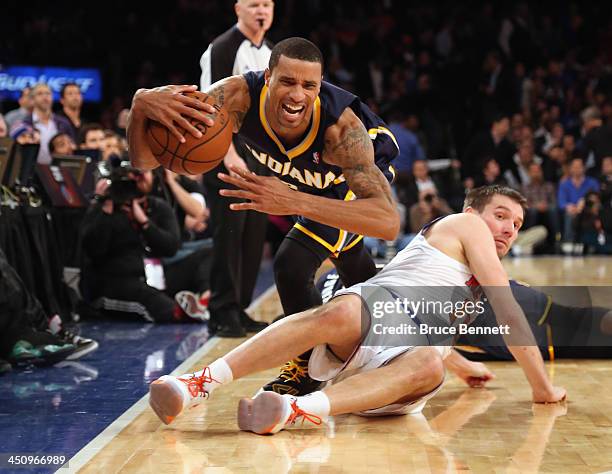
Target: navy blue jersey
{"points": [[302, 166]]}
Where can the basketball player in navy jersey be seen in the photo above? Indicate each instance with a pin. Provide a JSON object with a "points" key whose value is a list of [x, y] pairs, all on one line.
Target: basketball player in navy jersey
{"points": [[331, 160]]}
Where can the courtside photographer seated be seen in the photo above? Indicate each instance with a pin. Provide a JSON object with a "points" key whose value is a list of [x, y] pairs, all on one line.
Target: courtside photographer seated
{"points": [[124, 235], [593, 225], [189, 268]]}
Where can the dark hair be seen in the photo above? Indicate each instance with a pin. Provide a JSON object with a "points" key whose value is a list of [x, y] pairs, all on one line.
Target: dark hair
{"points": [[488, 160], [53, 138], [574, 158], [478, 198], [497, 117], [85, 129], [66, 85], [296, 48]]}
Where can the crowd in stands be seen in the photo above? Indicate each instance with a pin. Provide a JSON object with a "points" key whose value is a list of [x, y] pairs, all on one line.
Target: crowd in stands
{"points": [[475, 93]]}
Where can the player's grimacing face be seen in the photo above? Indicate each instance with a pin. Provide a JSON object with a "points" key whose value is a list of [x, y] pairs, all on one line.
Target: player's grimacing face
{"points": [[504, 217], [294, 85]]}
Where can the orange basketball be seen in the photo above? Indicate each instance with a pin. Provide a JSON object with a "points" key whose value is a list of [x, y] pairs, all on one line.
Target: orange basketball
{"points": [[196, 155]]}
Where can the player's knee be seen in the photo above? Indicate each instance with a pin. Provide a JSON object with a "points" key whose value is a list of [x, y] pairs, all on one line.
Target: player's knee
{"points": [[343, 314], [430, 371], [286, 273]]}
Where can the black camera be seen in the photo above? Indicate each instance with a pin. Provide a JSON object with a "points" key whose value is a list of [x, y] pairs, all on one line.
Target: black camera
{"points": [[123, 179], [429, 198]]}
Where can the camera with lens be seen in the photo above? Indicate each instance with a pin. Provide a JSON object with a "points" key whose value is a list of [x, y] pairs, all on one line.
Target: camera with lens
{"points": [[123, 179], [429, 198]]}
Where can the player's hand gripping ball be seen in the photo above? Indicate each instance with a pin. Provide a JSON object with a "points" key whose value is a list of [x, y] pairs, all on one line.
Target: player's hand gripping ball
{"points": [[195, 155]]}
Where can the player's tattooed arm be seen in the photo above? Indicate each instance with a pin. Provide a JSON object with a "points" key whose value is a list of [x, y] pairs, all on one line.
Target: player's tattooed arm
{"points": [[233, 94], [348, 145]]}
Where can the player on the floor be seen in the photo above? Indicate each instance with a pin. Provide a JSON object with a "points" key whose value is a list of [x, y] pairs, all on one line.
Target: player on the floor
{"points": [[377, 373], [322, 141], [564, 324]]}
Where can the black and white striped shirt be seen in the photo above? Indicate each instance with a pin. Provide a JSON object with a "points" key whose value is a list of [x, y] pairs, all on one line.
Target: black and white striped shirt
{"points": [[230, 54]]}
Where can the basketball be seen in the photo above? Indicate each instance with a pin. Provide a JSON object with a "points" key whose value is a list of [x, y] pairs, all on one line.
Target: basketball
{"points": [[196, 155]]}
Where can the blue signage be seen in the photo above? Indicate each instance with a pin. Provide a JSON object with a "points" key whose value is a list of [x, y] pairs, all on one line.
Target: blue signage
{"points": [[14, 78]]}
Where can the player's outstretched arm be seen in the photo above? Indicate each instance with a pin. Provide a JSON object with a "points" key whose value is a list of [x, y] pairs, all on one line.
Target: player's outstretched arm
{"points": [[348, 145], [479, 248]]}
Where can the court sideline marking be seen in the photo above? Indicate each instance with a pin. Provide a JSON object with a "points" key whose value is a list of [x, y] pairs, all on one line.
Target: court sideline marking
{"points": [[87, 452]]}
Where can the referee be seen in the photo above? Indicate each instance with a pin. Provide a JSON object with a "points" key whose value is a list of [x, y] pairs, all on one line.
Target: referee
{"points": [[238, 237]]}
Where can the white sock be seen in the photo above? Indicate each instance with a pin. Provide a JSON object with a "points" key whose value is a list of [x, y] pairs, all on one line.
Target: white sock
{"points": [[220, 372], [315, 403]]}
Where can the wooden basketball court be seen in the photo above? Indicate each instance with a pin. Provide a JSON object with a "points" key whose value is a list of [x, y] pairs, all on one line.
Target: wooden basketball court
{"points": [[461, 430]]}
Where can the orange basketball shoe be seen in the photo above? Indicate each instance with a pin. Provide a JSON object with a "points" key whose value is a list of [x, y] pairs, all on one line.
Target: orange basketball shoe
{"points": [[170, 395], [269, 412]]}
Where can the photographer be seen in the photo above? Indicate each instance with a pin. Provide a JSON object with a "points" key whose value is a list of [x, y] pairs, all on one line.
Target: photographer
{"points": [[189, 268], [429, 207], [591, 226], [124, 234]]}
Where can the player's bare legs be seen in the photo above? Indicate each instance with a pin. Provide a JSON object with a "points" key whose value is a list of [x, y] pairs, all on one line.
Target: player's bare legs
{"points": [[407, 378], [337, 323]]}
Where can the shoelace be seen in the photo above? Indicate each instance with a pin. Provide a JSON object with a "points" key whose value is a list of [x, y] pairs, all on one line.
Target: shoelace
{"points": [[68, 334], [292, 371], [299, 413], [195, 385]]}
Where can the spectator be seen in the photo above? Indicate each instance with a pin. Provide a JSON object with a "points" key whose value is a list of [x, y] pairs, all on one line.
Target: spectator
{"points": [[429, 207], [26, 105], [61, 144], [27, 335], [25, 134], [598, 139], [189, 268], [554, 138], [123, 227], [590, 226], [91, 137], [571, 194], [605, 182], [409, 187], [569, 145], [555, 165], [404, 129], [3, 127], [72, 101], [541, 202], [491, 174], [492, 143], [518, 174], [495, 86], [45, 121], [112, 145]]}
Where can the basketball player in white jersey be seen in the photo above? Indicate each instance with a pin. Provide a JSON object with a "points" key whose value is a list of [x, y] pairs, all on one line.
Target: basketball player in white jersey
{"points": [[369, 376]]}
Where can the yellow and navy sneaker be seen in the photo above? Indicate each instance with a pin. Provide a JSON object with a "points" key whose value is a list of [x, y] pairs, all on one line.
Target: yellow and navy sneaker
{"points": [[294, 379]]}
